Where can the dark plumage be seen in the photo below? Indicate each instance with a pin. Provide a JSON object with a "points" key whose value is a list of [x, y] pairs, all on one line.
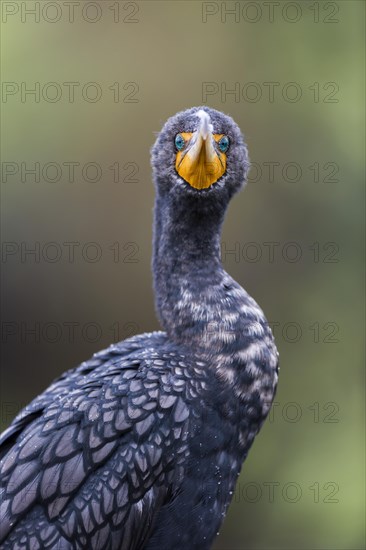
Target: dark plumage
{"points": [[141, 446]]}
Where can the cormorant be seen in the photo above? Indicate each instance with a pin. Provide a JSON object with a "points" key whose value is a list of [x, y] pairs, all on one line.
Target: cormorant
{"points": [[140, 447]]}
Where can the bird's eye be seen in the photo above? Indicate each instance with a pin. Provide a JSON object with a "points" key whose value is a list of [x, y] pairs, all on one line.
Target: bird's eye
{"points": [[179, 142], [224, 144]]}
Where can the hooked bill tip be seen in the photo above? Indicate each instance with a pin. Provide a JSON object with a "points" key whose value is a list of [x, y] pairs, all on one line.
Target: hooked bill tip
{"points": [[205, 126]]}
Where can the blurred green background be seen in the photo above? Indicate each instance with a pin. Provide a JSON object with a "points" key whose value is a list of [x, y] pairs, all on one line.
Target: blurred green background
{"points": [[295, 235]]}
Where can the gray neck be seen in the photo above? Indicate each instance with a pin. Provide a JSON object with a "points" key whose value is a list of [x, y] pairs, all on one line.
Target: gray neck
{"points": [[198, 303]]}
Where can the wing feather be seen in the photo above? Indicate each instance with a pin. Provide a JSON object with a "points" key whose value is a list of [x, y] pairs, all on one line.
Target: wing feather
{"points": [[95, 453]]}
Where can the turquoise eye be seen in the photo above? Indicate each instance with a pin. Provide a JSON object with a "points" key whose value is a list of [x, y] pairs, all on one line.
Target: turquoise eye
{"points": [[224, 144], [179, 142]]}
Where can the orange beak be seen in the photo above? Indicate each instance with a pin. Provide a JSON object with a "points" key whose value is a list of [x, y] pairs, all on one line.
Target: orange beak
{"points": [[200, 164]]}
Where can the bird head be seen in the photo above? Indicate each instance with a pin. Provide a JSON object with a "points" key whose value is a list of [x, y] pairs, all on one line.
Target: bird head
{"points": [[200, 151]]}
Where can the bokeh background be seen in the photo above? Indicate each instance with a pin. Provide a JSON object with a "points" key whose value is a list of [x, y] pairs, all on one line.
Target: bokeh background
{"points": [[293, 238]]}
